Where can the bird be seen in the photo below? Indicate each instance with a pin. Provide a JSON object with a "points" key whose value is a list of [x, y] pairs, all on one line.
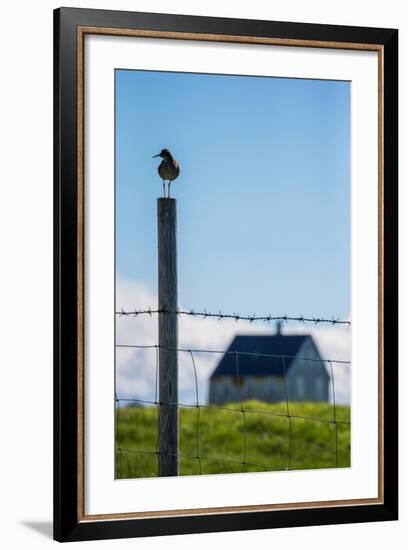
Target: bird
{"points": [[168, 169]]}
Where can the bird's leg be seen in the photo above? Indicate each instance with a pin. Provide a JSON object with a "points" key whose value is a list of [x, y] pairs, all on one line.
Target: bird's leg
{"points": [[164, 190], [169, 189]]}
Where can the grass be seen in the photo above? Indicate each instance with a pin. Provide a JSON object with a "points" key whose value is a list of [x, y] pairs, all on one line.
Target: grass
{"points": [[273, 441]]}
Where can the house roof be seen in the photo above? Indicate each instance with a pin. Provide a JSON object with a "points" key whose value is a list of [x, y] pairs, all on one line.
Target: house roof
{"points": [[286, 345]]}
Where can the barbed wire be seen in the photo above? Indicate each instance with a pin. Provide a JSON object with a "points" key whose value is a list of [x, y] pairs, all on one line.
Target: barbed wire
{"points": [[235, 316], [240, 408]]}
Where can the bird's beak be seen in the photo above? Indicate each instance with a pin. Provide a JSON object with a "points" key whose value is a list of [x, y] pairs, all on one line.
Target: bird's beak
{"points": [[154, 156]]}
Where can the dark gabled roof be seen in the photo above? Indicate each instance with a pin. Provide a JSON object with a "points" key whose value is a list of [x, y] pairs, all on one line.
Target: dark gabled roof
{"points": [[286, 345]]}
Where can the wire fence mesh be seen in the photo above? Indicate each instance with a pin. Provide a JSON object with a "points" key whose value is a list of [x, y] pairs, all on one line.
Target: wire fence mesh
{"points": [[282, 428]]}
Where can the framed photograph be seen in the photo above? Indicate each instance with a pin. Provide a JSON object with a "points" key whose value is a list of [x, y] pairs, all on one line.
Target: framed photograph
{"points": [[225, 274]]}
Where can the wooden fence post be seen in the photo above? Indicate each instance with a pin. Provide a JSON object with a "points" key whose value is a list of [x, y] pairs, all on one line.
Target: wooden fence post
{"points": [[168, 460]]}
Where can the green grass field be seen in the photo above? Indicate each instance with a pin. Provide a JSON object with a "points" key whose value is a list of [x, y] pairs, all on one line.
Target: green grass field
{"points": [[270, 444]]}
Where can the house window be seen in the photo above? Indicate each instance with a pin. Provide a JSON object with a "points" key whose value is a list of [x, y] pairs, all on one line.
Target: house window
{"points": [[238, 380]]}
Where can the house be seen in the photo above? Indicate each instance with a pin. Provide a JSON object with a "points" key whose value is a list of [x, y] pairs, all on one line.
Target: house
{"points": [[257, 370]]}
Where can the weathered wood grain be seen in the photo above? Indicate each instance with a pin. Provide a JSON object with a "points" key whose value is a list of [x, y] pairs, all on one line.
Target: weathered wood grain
{"points": [[168, 337]]}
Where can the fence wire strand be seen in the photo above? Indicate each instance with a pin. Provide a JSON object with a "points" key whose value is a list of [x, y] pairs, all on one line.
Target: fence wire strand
{"points": [[287, 413], [156, 401], [334, 412], [223, 352], [193, 457], [198, 413]]}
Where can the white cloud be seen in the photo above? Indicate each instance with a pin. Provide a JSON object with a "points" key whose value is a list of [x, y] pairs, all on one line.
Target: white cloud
{"points": [[136, 368]]}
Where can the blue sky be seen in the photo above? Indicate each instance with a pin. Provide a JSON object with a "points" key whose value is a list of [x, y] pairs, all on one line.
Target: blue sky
{"points": [[263, 197]]}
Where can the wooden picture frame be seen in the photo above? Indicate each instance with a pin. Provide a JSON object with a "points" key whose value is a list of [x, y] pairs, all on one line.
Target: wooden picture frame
{"points": [[71, 25]]}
